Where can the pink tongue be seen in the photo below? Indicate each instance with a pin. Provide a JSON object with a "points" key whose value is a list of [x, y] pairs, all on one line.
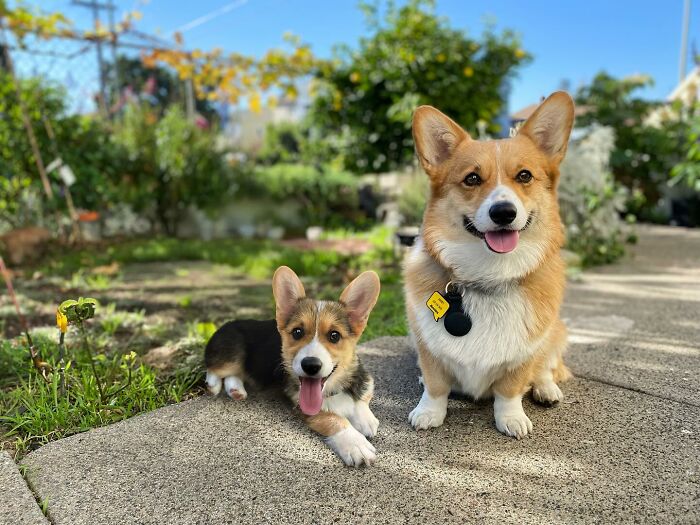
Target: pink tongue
{"points": [[310, 395], [502, 241]]}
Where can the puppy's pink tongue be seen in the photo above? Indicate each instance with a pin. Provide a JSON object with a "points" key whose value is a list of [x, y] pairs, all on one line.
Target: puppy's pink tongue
{"points": [[310, 395], [502, 241]]}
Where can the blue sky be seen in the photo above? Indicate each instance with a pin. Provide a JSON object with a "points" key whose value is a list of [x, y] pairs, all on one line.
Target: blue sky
{"points": [[569, 39]]}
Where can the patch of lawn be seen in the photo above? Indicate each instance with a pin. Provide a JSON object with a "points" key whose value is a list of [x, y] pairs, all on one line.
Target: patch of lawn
{"points": [[34, 412]]}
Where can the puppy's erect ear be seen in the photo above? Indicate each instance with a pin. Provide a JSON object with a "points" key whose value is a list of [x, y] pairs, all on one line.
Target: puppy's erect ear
{"points": [[436, 136], [287, 289], [359, 297], [550, 125]]}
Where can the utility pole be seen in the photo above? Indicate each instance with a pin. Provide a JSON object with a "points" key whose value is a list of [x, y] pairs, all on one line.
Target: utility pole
{"points": [[96, 7], [684, 41]]}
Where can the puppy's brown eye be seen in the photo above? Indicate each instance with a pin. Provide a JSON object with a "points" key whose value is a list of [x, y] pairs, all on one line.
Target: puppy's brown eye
{"points": [[298, 333], [472, 179], [523, 176], [333, 336]]}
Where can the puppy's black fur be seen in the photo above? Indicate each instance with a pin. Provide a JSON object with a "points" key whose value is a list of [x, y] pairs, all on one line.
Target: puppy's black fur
{"points": [[257, 345]]}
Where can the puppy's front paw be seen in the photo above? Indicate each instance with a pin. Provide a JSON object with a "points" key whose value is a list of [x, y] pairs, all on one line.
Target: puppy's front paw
{"points": [[352, 447], [429, 413], [364, 420], [547, 393]]}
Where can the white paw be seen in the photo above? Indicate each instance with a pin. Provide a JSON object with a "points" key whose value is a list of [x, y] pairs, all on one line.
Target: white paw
{"points": [[547, 393], [213, 383], [510, 417], [234, 388], [517, 426], [364, 420], [352, 447], [429, 413]]}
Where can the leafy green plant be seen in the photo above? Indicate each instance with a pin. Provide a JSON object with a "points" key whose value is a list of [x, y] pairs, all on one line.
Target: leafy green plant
{"points": [[688, 170], [411, 57], [326, 196], [644, 154], [176, 164]]}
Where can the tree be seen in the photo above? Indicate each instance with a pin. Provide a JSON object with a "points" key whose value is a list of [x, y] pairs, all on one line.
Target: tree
{"points": [[156, 85], [644, 155], [413, 57]]}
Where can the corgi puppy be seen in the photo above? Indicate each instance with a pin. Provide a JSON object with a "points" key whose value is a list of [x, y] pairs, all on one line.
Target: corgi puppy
{"points": [[489, 246], [309, 349]]}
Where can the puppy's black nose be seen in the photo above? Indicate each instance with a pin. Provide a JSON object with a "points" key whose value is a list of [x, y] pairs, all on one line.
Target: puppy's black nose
{"points": [[503, 213], [311, 365]]}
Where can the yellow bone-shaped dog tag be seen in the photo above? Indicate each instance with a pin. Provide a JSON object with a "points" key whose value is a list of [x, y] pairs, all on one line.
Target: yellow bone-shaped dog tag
{"points": [[438, 305]]}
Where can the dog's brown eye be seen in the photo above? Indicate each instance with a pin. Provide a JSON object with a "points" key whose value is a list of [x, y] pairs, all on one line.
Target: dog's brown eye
{"points": [[298, 333], [333, 336], [523, 176], [472, 179]]}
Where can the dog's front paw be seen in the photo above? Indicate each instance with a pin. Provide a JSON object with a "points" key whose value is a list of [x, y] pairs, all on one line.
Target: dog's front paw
{"points": [[516, 425], [547, 393], [364, 420], [352, 447], [429, 413]]}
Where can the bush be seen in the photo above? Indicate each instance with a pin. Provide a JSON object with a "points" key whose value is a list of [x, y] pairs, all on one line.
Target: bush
{"points": [[413, 198], [643, 154], [326, 196], [175, 164], [82, 143], [591, 201]]}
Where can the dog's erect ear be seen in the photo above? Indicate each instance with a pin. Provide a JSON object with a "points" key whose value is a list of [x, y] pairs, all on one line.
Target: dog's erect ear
{"points": [[550, 125], [287, 289], [436, 136], [359, 297]]}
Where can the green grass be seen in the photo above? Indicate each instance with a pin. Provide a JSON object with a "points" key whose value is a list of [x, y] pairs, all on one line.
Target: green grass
{"points": [[34, 412]]}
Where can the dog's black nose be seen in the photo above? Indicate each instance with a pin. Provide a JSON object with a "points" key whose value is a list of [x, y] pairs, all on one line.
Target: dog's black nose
{"points": [[503, 213], [311, 365]]}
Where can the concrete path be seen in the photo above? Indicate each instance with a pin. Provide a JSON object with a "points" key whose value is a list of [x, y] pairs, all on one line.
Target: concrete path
{"points": [[17, 503], [623, 447]]}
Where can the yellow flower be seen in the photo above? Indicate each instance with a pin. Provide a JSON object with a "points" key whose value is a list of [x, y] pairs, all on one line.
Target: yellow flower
{"points": [[61, 322], [519, 53], [254, 103], [354, 77], [468, 71]]}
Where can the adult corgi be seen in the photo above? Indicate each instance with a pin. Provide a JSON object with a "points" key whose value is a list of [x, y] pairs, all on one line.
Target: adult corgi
{"points": [[489, 246]]}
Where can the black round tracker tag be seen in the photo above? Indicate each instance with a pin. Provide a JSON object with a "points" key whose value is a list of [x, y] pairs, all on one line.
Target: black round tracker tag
{"points": [[457, 322]]}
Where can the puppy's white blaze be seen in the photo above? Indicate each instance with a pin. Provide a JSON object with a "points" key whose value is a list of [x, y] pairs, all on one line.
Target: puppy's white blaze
{"points": [[313, 349], [500, 193]]}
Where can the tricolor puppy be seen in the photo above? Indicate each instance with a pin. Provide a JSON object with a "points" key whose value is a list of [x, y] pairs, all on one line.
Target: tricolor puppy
{"points": [[489, 247], [310, 350]]}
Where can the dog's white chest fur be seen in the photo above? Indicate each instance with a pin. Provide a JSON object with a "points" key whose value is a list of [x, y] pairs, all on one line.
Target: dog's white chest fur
{"points": [[498, 339]]}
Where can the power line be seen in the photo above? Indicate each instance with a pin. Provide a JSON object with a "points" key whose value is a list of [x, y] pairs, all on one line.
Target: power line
{"points": [[211, 16]]}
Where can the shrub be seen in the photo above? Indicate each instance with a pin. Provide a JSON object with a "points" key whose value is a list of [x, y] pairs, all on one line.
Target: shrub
{"points": [[326, 196], [175, 164], [643, 154], [591, 201]]}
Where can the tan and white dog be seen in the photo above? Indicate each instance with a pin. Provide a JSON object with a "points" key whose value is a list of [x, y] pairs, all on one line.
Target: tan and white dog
{"points": [[492, 232]]}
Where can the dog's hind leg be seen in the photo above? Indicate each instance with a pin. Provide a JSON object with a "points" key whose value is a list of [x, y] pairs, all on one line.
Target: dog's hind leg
{"points": [[235, 388], [213, 383]]}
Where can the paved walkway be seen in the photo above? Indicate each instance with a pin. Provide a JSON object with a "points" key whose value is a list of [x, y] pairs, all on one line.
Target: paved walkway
{"points": [[624, 446]]}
